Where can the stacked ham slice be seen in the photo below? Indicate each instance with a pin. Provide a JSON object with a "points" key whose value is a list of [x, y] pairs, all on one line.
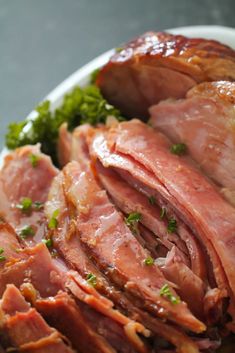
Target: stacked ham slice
{"points": [[129, 248]]}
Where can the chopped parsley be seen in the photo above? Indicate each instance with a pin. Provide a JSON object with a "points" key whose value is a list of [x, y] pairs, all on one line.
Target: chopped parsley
{"points": [[53, 222], [149, 261], [91, 279], [48, 242], [133, 217], [118, 49], [25, 204], [132, 221], [26, 232], [179, 149], [163, 212], [166, 292], [38, 205], [81, 105], [152, 200], [34, 160], [2, 257], [172, 225]]}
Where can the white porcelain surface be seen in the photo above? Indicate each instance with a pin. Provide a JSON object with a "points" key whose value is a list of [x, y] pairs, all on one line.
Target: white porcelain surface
{"points": [[81, 77]]}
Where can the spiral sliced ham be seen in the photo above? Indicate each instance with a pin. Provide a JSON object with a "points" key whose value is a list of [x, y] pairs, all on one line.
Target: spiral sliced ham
{"points": [[145, 154], [158, 65]]}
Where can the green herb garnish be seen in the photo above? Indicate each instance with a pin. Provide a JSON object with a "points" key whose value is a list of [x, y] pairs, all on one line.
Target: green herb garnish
{"points": [[163, 212], [53, 222], [152, 200], [172, 225], [34, 160], [179, 149], [149, 261], [2, 257], [166, 292], [82, 105], [118, 49], [48, 242], [132, 222], [38, 205], [25, 204], [26, 232], [91, 279], [133, 217]]}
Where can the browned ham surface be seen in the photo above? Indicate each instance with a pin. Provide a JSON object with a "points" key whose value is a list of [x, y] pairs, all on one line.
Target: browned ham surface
{"points": [[159, 65], [25, 328], [204, 121]]}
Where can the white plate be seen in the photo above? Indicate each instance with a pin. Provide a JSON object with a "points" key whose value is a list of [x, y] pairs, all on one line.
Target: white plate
{"points": [[81, 77]]}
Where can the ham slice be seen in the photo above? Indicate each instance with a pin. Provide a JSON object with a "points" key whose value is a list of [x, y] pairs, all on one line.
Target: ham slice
{"points": [[25, 328], [93, 206], [204, 122], [31, 173], [157, 66], [75, 255], [145, 154]]}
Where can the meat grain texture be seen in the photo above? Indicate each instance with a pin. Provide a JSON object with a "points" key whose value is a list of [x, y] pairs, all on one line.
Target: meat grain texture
{"points": [[129, 246]]}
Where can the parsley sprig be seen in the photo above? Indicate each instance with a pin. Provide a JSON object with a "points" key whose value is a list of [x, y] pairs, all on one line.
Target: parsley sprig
{"points": [[166, 292], [81, 105]]}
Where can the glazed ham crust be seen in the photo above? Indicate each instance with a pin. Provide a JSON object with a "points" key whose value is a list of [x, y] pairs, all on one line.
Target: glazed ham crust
{"points": [[159, 65]]}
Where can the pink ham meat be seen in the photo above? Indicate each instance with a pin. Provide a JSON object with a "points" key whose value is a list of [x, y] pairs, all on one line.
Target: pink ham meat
{"points": [[129, 200], [34, 271], [19, 179], [157, 66], [145, 154], [25, 328], [176, 268], [31, 265], [204, 121], [100, 225], [66, 242]]}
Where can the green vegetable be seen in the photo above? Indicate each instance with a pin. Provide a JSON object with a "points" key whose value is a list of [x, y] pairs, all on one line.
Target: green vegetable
{"points": [[133, 217], [38, 205], [179, 149], [34, 160], [118, 50], [163, 212], [82, 105], [152, 200], [2, 257], [53, 223], [166, 292], [26, 232], [132, 222], [91, 279], [149, 261], [172, 225], [48, 242], [25, 204]]}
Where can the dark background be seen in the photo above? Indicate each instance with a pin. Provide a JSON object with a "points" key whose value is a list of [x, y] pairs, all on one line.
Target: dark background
{"points": [[44, 41]]}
